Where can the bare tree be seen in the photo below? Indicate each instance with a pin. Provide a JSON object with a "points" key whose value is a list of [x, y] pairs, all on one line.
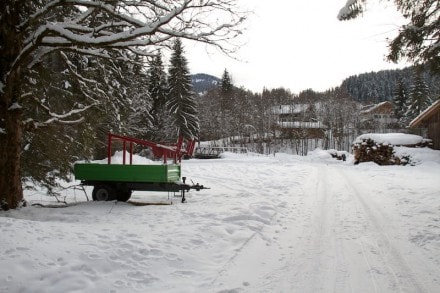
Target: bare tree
{"points": [[31, 30]]}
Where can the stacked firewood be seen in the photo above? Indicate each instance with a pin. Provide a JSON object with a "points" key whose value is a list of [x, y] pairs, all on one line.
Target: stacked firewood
{"points": [[370, 151]]}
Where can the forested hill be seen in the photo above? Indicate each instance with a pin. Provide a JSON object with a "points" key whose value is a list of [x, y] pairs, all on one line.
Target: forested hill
{"points": [[379, 86], [202, 82], [372, 87]]}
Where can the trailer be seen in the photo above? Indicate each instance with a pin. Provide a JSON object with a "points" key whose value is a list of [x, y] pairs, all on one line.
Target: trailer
{"points": [[118, 181]]}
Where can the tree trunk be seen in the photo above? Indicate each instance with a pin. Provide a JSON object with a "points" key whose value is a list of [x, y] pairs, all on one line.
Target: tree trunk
{"points": [[11, 193], [11, 127], [11, 135]]}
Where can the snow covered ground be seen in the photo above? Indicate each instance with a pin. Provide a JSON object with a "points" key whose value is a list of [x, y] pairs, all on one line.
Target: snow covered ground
{"points": [[268, 224]]}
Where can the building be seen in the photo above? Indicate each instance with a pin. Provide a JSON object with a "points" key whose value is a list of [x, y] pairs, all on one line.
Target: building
{"points": [[378, 117], [297, 121], [427, 124]]}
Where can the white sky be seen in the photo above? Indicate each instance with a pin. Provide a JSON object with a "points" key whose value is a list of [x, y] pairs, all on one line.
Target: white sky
{"points": [[300, 44]]}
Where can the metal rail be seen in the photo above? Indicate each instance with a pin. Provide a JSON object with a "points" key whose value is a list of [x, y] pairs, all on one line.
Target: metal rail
{"points": [[176, 152]]}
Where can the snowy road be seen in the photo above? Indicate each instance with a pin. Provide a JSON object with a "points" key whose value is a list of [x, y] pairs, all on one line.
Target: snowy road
{"points": [[334, 239], [268, 224]]}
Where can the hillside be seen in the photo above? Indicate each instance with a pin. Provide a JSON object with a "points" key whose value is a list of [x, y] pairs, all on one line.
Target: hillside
{"points": [[379, 86], [202, 82], [365, 87]]}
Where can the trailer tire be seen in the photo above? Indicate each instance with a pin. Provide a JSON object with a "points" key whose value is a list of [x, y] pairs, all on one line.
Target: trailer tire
{"points": [[103, 193], [123, 195]]}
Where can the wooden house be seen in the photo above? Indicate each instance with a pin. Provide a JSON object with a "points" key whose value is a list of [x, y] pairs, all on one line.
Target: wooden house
{"points": [[427, 124], [377, 116], [297, 121]]}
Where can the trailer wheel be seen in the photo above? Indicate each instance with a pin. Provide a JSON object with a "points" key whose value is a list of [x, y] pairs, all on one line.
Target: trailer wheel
{"points": [[123, 195], [103, 193]]}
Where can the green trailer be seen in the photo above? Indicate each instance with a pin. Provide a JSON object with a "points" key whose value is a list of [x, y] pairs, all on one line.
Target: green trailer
{"points": [[118, 181], [127, 173]]}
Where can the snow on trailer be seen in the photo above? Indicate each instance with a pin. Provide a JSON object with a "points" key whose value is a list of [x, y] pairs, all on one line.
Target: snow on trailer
{"points": [[118, 181]]}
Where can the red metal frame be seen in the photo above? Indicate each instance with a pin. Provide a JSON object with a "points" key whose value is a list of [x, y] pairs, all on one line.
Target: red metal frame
{"points": [[176, 152]]}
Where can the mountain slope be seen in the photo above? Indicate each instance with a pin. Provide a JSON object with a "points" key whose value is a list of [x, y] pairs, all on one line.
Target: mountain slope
{"points": [[379, 86], [203, 82]]}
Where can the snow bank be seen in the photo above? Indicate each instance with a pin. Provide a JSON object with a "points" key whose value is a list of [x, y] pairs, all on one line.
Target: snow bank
{"points": [[419, 156], [391, 138], [319, 153]]}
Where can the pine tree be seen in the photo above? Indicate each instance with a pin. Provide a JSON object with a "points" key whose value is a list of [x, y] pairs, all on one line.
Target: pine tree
{"points": [[419, 98], [210, 116], [400, 100], [226, 92], [181, 102], [157, 88], [140, 120]]}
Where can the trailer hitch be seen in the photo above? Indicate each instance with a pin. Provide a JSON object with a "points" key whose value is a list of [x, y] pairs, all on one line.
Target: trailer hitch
{"points": [[196, 186]]}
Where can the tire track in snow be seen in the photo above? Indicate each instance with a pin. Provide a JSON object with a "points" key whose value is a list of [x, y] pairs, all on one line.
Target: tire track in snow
{"points": [[245, 270], [380, 250], [330, 253], [314, 258], [326, 260], [330, 242]]}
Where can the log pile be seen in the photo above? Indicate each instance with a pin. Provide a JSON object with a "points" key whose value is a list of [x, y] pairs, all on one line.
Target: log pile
{"points": [[369, 151]]}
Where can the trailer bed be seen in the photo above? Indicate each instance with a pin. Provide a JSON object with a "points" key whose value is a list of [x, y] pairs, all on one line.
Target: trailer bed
{"points": [[127, 173]]}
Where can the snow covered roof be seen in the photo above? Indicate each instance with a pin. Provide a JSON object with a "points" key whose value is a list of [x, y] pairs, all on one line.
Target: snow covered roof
{"points": [[371, 108], [301, 124], [290, 109], [425, 114], [391, 138]]}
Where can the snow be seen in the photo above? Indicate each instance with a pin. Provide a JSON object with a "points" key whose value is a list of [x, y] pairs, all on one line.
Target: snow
{"points": [[371, 108], [279, 223], [290, 109], [118, 158], [15, 106], [300, 124], [391, 138]]}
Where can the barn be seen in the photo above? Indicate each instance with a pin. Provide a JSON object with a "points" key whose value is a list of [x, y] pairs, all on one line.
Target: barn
{"points": [[427, 124]]}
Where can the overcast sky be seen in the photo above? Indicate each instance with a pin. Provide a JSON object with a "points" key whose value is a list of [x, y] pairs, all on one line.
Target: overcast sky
{"points": [[299, 44]]}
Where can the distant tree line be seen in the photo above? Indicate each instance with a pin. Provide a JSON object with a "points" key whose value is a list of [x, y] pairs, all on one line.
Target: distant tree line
{"points": [[235, 116], [375, 87]]}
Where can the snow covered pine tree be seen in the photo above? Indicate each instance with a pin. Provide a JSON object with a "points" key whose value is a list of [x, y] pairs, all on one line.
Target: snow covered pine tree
{"points": [[181, 101], [157, 88], [419, 99]]}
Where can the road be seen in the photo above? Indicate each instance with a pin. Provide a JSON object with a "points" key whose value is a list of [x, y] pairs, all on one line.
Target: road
{"points": [[331, 238]]}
